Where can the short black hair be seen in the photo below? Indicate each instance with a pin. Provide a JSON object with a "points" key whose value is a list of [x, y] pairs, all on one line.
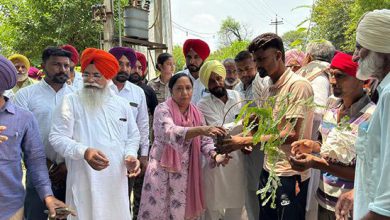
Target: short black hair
{"points": [[54, 51], [177, 76], [265, 41], [162, 58], [243, 55]]}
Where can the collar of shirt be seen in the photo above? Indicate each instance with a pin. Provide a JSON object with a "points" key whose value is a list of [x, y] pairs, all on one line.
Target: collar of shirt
{"points": [[115, 88], [358, 107], [158, 80], [385, 83], [44, 84], [282, 80], [8, 106]]}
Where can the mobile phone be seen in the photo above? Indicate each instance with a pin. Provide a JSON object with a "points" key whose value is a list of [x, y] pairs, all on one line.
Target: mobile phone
{"points": [[61, 211]]}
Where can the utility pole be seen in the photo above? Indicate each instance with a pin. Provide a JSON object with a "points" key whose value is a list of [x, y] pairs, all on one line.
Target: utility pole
{"points": [[108, 25], [276, 23]]}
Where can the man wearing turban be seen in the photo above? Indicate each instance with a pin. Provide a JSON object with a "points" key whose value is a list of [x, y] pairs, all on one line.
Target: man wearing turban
{"points": [[135, 96], [95, 131], [22, 65], [337, 146], [75, 78], [41, 99], [224, 194], [196, 52], [372, 177], [19, 140]]}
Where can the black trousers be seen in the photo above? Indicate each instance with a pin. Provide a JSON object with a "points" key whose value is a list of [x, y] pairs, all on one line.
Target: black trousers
{"points": [[289, 206]]}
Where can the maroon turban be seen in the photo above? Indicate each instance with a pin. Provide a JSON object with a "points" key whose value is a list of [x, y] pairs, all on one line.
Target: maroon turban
{"points": [[199, 46], [75, 55], [129, 53], [142, 59], [104, 62], [344, 63]]}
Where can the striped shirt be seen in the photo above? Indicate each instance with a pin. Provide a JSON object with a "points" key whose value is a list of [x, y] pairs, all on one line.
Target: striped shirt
{"points": [[339, 147]]}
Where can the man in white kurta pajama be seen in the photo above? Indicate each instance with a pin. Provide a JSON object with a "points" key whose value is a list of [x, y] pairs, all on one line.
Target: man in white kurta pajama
{"points": [[225, 187], [96, 133]]}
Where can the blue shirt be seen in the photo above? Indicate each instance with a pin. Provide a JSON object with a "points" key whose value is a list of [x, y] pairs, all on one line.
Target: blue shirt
{"points": [[23, 143], [372, 176]]}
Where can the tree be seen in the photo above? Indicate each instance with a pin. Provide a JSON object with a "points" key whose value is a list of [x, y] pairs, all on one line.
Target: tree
{"points": [[336, 20], [231, 30], [295, 39], [179, 58], [28, 26], [229, 51]]}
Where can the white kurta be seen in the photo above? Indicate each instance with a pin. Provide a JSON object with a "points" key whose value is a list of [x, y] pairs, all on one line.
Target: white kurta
{"points": [[96, 195], [225, 187], [136, 100]]}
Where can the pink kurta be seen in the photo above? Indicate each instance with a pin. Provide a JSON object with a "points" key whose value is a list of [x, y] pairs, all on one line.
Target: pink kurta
{"points": [[164, 193]]}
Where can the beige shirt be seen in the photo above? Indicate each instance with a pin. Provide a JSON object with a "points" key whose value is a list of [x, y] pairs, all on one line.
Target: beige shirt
{"points": [[26, 83], [300, 90], [161, 89]]}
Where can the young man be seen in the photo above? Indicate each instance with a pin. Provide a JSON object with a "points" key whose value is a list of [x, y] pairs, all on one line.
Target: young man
{"points": [[19, 140], [41, 99], [268, 52]]}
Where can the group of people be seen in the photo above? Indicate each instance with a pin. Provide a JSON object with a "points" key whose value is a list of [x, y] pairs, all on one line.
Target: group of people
{"points": [[108, 144]]}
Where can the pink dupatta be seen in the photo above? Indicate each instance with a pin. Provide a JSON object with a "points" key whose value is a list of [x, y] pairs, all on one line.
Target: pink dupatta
{"points": [[171, 159]]}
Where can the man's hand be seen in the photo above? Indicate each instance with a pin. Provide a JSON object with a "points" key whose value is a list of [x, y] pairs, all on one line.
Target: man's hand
{"points": [[58, 174], [233, 143], [2, 137], [304, 146], [144, 163], [344, 206], [96, 159], [52, 204], [133, 166], [303, 162]]}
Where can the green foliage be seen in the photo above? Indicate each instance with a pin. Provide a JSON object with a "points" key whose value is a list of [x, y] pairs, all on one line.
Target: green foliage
{"points": [[231, 30], [295, 39], [267, 122], [28, 26], [336, 20], [229, 51], [179, 58]]}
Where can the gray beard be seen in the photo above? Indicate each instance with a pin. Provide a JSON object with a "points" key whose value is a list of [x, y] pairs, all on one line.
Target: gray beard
{"points": [[370, 66], [93, 98]]}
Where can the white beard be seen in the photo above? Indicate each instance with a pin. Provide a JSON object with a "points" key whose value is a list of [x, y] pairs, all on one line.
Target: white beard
{"points": [[370, 66], [94, 96], [21, 78]]}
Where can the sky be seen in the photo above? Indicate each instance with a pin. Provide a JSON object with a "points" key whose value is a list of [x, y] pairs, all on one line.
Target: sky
{"points": [[202, 18]]}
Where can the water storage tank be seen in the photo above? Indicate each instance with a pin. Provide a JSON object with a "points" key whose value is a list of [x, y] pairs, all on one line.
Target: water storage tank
{"points": [[136, 23]]}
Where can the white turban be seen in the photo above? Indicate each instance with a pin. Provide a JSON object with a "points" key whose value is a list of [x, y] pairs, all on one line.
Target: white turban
{"points": [[209, 67], [373, 31]]}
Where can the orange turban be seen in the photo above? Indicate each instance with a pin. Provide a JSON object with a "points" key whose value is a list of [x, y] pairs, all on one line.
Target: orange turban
{"points": [[199, 46], [105, 62]]}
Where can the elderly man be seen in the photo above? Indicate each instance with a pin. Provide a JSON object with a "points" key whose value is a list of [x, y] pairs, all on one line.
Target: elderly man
{"points": [[297, 122], [137, 101], [339, 130], [372, 189], [95, 131], [41, 99], [224, 186], [231, 79], [317, 60], [22, 65], [195, 52], [75, 78], [20, 141]]}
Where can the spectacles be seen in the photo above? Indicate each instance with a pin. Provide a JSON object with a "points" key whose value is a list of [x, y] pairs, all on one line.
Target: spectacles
{"points": [[96, 76]]}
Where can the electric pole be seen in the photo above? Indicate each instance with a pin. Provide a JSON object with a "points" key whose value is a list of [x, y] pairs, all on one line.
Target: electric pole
{"points": [[276, 23]]}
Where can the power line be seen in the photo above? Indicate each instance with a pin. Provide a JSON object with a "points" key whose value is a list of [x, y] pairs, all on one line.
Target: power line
{"points": [[190, 30]]}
